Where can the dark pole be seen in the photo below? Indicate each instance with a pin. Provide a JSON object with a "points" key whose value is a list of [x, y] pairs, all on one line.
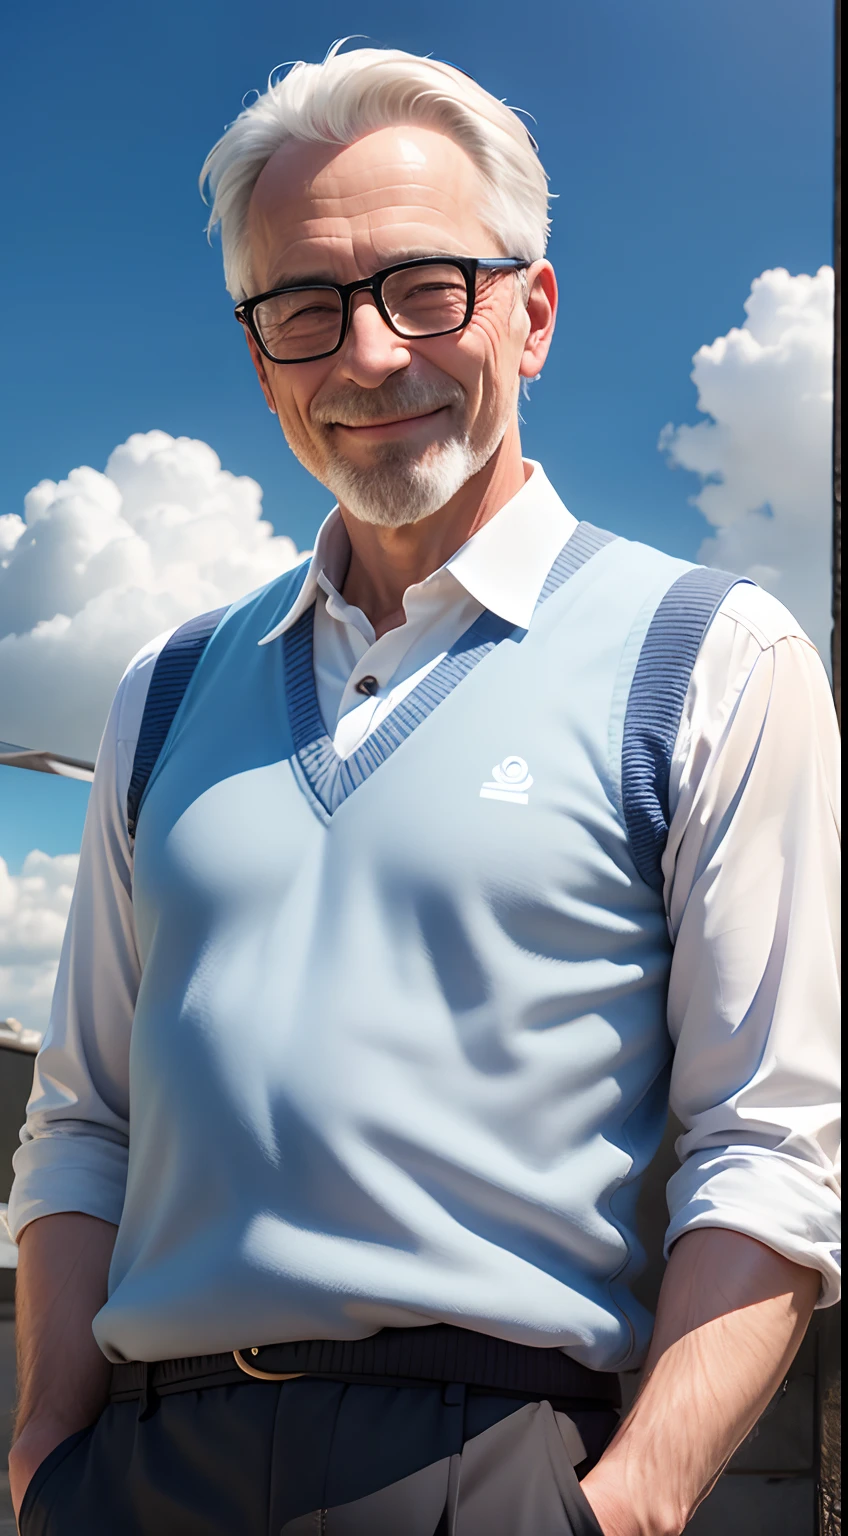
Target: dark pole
{"points": [[828, 1340], [837, 383]]}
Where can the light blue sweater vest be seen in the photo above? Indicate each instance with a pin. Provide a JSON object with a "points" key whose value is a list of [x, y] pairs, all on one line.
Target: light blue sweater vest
{"points": [[400, 1052]]}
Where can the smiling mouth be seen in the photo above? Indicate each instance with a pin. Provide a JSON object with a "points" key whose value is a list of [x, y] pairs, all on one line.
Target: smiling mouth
{"points": [[390, 421]]}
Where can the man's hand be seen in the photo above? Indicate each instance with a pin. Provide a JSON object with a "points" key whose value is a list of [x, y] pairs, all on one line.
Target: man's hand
{"points": [[63, 1379], [731, 1316], [31, 1448]]}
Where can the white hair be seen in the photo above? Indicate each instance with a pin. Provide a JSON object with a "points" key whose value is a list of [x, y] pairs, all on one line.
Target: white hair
{"points": [[352, 94]]}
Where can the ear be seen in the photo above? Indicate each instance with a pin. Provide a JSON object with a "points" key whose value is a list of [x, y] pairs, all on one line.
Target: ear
{"points": [[260, 365], [541, 311]]}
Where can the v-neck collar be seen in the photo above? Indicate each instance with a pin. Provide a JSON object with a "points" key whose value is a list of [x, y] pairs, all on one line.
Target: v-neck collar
{"points": [[331, 779]]}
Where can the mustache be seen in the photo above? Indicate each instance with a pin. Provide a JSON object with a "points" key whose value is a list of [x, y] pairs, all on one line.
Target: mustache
{"points": [[350, 406]]}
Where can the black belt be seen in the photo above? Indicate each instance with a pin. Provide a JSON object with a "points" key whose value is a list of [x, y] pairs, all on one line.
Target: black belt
{"points": [[437, 1353]]}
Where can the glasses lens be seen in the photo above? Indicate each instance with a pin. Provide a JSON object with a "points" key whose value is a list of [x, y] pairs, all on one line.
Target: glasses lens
{"points": [[301, 323], [426, 300]]}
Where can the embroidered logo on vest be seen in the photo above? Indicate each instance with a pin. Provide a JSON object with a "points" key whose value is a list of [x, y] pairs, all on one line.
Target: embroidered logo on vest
{"points": [[510, 780]]}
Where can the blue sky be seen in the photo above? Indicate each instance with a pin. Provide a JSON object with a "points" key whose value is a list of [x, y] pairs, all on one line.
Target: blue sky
{"points": [[689, 145]]}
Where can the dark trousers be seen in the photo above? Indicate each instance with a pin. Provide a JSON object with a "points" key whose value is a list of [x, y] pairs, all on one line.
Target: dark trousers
{"points": [[311, 1456]]}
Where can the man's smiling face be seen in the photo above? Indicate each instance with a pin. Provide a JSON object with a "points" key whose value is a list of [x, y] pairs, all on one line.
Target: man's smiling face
{"points": [[392, 426]]}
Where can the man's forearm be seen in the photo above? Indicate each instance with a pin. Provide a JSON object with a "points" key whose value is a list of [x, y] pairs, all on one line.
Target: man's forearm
{"points": [[730, 1318], [63, 1378]]}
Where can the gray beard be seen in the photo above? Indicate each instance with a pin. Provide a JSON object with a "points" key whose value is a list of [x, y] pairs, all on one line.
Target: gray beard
{"points": [[400, 490]]}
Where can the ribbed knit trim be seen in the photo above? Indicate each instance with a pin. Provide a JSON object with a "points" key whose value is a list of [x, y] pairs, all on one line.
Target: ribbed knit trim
{"points": [[585, 542], [655, 706], [333, 778], [174, 669]]}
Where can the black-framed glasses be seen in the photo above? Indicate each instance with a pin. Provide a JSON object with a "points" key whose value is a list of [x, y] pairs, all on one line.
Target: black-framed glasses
{"points": [[427, 296]]}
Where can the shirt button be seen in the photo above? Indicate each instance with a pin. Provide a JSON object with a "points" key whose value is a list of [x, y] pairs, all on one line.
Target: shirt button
{"points": [[368, 686]]}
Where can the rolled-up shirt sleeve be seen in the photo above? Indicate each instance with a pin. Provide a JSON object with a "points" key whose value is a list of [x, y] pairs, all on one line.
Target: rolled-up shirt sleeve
{"points": [[74, 1145], [752, 896]]}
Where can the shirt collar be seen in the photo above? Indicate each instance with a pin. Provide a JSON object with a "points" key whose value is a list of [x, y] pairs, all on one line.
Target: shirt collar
{"points": [[503, 565], [330, 558]]}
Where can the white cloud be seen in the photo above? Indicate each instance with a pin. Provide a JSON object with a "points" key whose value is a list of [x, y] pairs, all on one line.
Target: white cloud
{"points": [[33, 913], [764, 456], [101, 563]]}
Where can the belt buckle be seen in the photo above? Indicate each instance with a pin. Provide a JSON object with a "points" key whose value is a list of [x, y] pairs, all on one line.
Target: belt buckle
{"points": [[252, 1370]]}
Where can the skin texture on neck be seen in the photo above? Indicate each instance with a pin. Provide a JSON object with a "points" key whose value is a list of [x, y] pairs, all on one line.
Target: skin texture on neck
{"points": [[335, 213]]}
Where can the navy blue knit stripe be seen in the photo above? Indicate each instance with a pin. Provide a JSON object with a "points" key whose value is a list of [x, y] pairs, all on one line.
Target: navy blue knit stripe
{"points": [[655, 706], [172, 674], [332, 778]]}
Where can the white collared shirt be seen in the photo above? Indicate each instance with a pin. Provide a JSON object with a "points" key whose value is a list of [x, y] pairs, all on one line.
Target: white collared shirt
{"points": [[502, 567], [751, 884]]}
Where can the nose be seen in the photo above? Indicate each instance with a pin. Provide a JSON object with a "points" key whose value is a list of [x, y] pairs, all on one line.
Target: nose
{"points": [[371, 350]]}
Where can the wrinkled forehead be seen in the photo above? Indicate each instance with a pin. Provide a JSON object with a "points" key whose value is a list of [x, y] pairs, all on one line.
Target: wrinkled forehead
{"points": [[318, 210]]}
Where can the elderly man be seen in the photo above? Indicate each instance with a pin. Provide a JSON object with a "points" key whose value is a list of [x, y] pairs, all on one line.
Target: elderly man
{"points": [[414, 887]]}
